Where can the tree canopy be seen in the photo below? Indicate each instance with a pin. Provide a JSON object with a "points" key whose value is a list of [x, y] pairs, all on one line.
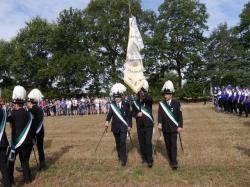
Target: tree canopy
{"points": [[83, 51]]}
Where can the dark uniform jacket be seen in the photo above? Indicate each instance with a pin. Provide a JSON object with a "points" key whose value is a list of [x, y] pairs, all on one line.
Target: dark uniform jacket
{"points": [[167, 124], [4, 140], [38, 115], [143, 121], [19, 119], [117, 125]]}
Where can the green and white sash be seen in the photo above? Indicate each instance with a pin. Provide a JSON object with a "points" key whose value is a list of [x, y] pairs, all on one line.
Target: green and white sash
{"points": [[23, 134], [118, 113], [3, 124], [169, 113], [39, 127], [144, 110]]}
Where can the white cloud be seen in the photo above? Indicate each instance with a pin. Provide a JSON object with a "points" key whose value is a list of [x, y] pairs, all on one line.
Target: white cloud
{"points": [[5, 8], [50, 8], [12, 25], [14, 13], [221, 11]]}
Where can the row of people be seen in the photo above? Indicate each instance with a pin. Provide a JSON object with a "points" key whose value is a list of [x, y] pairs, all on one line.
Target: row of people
{"points": [[73, 106], [62, 107], [232, 99], [26, 131], [170, 122]]}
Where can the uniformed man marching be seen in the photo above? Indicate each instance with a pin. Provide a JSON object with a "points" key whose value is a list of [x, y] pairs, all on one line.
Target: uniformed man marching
{"points": [[121, 121], [21, 141], [170, 122], [34, 97], [3, 148], [142, 111]]}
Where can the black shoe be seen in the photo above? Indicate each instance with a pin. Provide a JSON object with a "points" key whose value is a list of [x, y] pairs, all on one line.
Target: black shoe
{"points": [[19, 169], [150, 165], [42, 167], [174, 166], [123, 163]]}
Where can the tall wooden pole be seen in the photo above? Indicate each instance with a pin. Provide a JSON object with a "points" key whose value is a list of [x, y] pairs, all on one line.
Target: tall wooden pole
{"points": [[129, 8]]}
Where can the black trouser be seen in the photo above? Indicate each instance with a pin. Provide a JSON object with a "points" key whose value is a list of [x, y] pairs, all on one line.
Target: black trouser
{"points": [[145, 142], [227, 105], [24, 152], [224, 104], [48, 111], [230, 106], [40, 148], [243, 107], [4, 167], [170, 139], [235, 106], [120, 140], [220, 103]]}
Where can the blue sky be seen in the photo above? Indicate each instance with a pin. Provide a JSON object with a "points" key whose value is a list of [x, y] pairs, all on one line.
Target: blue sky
{"points": [[14, 13]]}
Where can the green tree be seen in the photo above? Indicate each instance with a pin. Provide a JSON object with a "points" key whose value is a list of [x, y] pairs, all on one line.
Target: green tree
{"points": [[32, 54], [179, 34], [244, 26], [6, 54], [72, 59], [243, 31], [226, 61]]}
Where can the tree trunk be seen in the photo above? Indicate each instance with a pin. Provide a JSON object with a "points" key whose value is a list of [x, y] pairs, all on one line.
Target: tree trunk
{"points": [[178, 69], [113, 69]]}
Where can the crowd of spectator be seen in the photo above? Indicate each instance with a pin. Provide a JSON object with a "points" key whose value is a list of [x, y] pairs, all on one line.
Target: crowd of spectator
{"points": [[72, 106]]}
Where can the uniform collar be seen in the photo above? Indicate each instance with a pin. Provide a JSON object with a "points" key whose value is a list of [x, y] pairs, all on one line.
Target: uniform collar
{"points": [[119, 104], [169, 102]]}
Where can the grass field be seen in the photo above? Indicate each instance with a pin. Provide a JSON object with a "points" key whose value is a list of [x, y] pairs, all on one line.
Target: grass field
{"points": [[216, 153]]}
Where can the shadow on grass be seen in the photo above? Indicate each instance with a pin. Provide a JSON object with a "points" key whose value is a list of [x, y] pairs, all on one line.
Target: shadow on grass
{"points": [[132, 143], [244, 150], [35, 168], [47, 143], [158, 144], [160, 148], [247, 123], [57, 155], [50, 161]]}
